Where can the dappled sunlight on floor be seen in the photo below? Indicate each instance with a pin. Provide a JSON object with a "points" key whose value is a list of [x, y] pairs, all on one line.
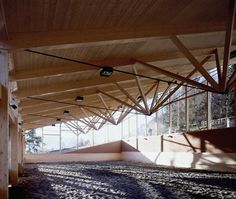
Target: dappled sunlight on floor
{"points": [[119, 179]]}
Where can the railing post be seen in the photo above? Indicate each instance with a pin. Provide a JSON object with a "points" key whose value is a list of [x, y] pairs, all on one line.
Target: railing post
{"points": [[4, 127]]}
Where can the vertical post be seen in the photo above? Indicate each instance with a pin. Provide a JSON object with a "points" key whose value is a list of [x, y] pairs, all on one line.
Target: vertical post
{"points": [[20, 152], [77, 140], [107, 133], [23, 146], [4, 126], [136, 132], [60, 136], [235, 105], [146, 126], [122, 129], [178, 119], [128, 127], [170, 116], [42, 140], [14, 156], [157, 121], [208, 110], [77, 135], [186, 110], [93, 137]]}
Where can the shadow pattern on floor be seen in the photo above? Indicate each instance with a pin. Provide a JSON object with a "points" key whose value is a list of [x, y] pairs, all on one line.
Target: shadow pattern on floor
{"points": [[119, 179]]}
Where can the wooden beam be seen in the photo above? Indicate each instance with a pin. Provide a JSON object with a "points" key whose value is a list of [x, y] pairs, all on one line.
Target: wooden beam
{"points": [[3, 25], [228, 41], [194, 61], [105, 115], [130, 97], [20, 151], [89, 122], [0, 91], [218, 66], [121, 101], [51, 38], [72, 67], [161, 102], [101, 124], [89, 93], [155, 107], [68, 69], [107, 109], [51, 71], [178, 77], [99, 115], [70, 127], [141, 90], [84, 121], [124, 114], [14, 153], [4, 127], [154, 98], [75, 85]]}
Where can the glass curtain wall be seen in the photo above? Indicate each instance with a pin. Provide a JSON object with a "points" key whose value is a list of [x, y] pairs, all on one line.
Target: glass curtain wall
{"points": [[205, 110]]}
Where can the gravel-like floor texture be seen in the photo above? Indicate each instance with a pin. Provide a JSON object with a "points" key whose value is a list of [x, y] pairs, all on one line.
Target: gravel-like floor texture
{"points": [[118, 179]]}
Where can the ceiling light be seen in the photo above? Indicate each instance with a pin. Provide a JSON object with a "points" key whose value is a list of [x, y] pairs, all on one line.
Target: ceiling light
{"points": [[233, 54], [13, 106], [66, 112], [106, 71], [119, 107], [79, 98], [53, 125], [58, 119], [139, 97]]}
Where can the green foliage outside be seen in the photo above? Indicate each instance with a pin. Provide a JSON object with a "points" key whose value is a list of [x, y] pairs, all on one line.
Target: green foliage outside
{"points": [[33, 142]]}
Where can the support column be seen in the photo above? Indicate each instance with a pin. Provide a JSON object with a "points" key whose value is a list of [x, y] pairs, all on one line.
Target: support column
{"points": [[4, 126], [122, 129], [93, 137], [235, 105], [129, 128], [157, 123], [208, 110], [107, 133], [20, 152], [186, 110], [170, 116], [14, 156], [42, 140], [136, 131], [178, 117], [146, 126], [60, 136], [23, 147]]}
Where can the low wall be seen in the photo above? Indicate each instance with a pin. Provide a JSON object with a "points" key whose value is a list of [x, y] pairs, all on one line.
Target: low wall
{"points": [[70, 157], [212, 150], [212, 141], [111, 147], [206, 161], [101, 152]]}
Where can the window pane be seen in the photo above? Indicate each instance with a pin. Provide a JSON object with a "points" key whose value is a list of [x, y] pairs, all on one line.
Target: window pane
{"points": [[163, 120], [222, 110], [198, 112]]}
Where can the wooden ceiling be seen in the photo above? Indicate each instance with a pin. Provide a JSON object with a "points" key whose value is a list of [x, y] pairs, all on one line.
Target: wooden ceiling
{"points": [[106, 33]]}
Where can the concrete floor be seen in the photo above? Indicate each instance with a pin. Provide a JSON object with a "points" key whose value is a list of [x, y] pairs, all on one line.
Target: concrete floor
{"points": [[119, 179]]}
